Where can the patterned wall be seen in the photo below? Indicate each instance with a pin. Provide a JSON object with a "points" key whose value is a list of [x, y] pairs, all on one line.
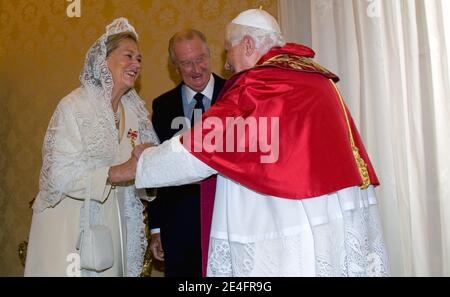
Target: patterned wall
{"points": [[41, 54]]}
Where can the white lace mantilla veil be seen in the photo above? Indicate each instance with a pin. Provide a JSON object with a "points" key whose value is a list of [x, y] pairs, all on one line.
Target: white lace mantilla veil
{"points": [[99, 137]]}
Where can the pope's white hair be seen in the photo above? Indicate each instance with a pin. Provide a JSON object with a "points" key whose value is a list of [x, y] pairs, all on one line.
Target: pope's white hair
{"points": [[264, 39]]}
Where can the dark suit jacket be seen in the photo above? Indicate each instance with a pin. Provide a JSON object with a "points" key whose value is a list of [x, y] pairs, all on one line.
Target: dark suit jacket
{"points": [[176, 210]]}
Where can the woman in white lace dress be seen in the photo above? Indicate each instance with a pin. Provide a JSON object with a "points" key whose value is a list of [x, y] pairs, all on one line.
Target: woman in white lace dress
{"points": [[93, 129]]}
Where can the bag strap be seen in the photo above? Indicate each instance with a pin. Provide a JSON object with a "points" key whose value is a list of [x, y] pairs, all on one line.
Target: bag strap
{"points": [[86, 205]]}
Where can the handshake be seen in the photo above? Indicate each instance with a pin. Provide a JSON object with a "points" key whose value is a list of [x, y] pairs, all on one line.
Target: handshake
{"points": [[127, 171]]}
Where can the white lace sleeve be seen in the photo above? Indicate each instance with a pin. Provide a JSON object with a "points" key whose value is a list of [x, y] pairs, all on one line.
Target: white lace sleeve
{"points": [[170, 164], [64, 165]]}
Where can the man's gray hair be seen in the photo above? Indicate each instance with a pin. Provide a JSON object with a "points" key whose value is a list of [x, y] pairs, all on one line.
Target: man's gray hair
{"points": [[184, 35], [264, 39]]}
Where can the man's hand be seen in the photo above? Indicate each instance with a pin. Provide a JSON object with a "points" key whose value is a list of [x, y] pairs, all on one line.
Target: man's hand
{"points": [[139, 149], [156, 247], [124, 172]]}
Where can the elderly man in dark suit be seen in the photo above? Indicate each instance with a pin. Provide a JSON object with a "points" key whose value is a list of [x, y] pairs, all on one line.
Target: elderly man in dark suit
{"points": [[175, 213]]}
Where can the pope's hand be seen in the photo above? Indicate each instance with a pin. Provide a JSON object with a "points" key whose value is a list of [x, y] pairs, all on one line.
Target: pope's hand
{"points": [[139, 149]]}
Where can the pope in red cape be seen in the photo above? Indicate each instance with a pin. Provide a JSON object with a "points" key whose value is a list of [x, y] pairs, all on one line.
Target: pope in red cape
{"points": [[314, 153], [295, 192]]}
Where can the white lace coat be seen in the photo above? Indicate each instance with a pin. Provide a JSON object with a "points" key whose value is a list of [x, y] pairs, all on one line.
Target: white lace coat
{"points": [[80, 139]]}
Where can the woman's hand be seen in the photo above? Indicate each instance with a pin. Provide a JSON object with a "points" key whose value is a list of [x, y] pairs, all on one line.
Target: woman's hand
{"points": [[139, 149], [124, 172]]}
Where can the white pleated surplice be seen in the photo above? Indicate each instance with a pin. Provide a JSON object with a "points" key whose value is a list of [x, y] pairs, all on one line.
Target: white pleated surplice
{"points": [[333, 235]]}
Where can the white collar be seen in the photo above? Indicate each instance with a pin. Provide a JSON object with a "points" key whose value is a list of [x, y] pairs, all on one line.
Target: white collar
{"points": [[207, 92]]}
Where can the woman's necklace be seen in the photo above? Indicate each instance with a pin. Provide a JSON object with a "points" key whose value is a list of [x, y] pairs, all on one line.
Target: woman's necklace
{"points": [[117, 115]]}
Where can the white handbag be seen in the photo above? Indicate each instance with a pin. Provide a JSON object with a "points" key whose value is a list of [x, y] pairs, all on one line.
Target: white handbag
{"points": [[95, 242]]}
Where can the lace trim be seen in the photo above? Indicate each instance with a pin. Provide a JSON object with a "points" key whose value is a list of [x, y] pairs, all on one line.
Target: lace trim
{"points": [[136, 236], [137, 105], [59, 172], [352, 246]]}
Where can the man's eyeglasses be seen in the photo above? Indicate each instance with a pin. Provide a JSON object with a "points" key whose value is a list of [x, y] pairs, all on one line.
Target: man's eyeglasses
{"points": [[189, 64]]}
